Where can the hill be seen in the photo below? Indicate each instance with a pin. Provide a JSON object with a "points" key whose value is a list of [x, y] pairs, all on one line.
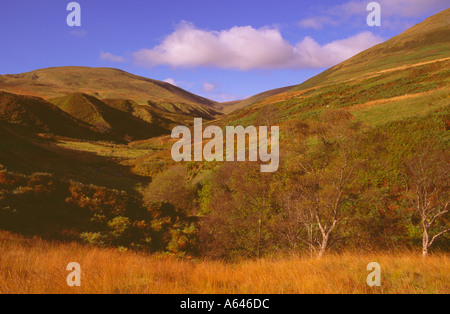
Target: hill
{"points": [[236, 105], [118, 123], [107, 83], [405, 76], [98, 82], [38, 115], [425, 42]]}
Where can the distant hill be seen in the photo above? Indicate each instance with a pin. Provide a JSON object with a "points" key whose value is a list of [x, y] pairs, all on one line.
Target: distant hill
{"points": [[108, 83], [98, 82], [236, 105]]}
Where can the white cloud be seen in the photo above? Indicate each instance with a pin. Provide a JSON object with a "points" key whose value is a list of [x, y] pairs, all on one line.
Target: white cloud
{"points": [[310, 54], [412, 8], [107, 56], [171, 81], [317, 22], [393, 12], [208, 87], [247, 48]]}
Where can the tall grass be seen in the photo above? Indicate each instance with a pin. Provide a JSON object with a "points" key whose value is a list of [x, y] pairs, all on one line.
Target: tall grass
{"points": [[38, 266]]}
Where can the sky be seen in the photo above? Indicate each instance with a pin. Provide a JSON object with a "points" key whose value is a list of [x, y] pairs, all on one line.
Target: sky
{"points": [[222, 50]]}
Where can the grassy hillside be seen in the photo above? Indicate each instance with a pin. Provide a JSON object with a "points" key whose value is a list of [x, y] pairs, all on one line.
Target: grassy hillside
{"points": [[425, 42], [38, 115], [98, 82], [147, 97], [100, 163], [413, 65], [236, 105], [105, 119]]}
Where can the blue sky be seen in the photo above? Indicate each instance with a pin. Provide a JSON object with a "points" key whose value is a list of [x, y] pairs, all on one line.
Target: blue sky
{"points": [[223, 50]]}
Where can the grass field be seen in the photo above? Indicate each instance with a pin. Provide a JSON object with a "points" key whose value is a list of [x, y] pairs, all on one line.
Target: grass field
{"points": [[37, 266]]}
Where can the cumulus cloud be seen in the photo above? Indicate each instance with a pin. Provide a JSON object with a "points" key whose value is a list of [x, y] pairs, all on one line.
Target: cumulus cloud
{"points": [[171, 81], [107, 56], [393, 12], [247, 48]]}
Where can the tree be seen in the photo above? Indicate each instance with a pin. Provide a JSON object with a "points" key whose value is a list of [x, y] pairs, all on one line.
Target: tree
{"points": [[427, 178], [171, 186], [320, 180], [251, 191], [240, 211]]}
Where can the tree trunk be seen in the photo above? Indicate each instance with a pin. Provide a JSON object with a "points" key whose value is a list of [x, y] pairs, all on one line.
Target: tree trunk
{"points": [[259, 238], [323, 246], [425, 243]]}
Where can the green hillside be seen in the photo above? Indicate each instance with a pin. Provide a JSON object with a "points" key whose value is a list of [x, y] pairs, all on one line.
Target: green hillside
{"points": [[406, 76], [426, 42]]}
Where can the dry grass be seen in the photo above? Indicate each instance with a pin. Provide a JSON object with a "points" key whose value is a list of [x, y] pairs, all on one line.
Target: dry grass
{"points": [[37, 266]]}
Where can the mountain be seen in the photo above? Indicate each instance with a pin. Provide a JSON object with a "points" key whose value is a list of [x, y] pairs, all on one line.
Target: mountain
{"points": [[405, 76], [108, 83]]}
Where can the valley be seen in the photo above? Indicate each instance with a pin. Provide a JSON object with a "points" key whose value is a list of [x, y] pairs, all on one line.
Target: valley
{"points": [[86, 166]]}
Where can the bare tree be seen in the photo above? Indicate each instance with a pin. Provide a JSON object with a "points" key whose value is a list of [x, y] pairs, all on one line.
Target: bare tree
{"points": [[427, 176], [320, 198], [320, 182]]}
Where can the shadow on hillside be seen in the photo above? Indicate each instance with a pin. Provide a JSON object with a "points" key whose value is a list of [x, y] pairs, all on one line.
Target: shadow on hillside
{"points": [[24, 153]]}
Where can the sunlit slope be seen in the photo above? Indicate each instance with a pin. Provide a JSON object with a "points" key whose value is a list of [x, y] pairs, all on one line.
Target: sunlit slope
{"points": [[406, 76], [236, 105], [107, 119], [40, 116], [99, 82], [156, 97], [425, 42]]}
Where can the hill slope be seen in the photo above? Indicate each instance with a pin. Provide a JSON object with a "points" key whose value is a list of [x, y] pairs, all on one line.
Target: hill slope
{"points": [[99, 82], [107, 83], [405, 76], [425, 42], [38, 115], [106, 119]]}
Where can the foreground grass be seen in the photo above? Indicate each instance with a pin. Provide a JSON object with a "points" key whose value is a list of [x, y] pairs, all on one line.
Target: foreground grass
{"points": [[38, 266]]}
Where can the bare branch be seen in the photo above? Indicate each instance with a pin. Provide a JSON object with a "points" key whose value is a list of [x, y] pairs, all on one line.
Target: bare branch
{"points": [[437, 236]]}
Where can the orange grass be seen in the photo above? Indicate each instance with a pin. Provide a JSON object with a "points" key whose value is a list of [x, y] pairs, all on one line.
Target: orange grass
{"points": [[38, 266]]}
